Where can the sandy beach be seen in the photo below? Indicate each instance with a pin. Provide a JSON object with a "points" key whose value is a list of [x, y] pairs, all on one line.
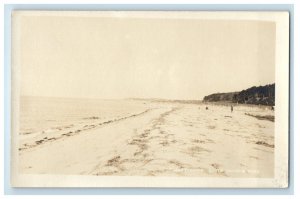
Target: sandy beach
{"points": [[156, 139], [160, 99]]}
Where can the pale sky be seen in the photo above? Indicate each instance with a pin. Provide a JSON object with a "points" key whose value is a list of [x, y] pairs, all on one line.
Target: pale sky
{"points": [[98, 57]]}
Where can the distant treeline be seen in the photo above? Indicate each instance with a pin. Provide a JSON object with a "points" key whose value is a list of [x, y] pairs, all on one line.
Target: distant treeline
{"points": [[168, 100], [264, 95]]}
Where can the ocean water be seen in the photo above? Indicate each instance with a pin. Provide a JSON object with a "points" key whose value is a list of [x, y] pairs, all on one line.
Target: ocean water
{"points": [[42, 114]]}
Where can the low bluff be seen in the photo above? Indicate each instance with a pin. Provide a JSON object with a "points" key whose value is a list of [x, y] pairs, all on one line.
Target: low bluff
{"points": [[263, 95]]}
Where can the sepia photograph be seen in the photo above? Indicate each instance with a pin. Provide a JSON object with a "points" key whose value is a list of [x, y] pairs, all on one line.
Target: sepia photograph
{"points": [[150, 99]]}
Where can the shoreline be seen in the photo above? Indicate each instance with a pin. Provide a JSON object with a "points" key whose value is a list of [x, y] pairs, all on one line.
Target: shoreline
{"points": [[173, 139]]}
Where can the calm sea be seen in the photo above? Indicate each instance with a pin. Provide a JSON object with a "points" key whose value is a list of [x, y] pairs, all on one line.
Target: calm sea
{"points": [[42, 113]]}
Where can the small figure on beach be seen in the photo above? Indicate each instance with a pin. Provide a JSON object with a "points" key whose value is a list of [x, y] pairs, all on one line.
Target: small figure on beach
{"points": [[206, 108], [231, 108]]}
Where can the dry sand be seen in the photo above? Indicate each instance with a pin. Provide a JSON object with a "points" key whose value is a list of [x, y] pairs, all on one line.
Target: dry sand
{"points": [[163, 139]]}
